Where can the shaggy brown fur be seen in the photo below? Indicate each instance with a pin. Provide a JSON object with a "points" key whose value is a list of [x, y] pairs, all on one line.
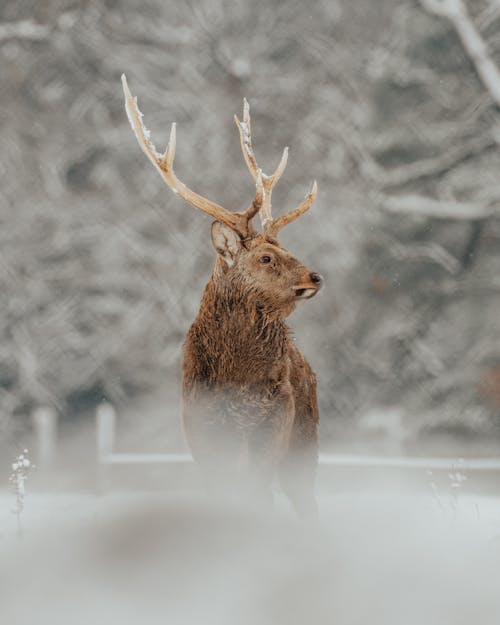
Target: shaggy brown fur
{"points": [[249, 395]]}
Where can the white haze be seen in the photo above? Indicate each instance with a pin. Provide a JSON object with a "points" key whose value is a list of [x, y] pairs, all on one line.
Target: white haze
{"points": [[390, 554]]}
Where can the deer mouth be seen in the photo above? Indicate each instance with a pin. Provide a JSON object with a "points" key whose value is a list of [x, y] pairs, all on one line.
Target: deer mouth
{"points": [[305, 291]]}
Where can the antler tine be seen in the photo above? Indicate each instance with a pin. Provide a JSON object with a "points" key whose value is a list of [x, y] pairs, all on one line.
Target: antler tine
{"points": [[169, 155], [256, 205], [245, 129], [268, 182], [239, 222], [272, 228]]}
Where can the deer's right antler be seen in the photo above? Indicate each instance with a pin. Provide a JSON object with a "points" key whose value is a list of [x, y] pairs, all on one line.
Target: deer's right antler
{"points": [[270, 226], [164, 163]]}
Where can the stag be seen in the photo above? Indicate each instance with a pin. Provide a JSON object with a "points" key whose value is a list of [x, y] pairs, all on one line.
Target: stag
{"points": [[249, 403]]}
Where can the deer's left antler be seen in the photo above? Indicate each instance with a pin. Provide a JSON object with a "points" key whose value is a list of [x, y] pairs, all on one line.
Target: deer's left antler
{"points": [[164, 163]]}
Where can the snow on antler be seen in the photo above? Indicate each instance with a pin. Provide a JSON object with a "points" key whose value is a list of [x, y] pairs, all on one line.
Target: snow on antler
{"points": [[164, 164], [270, 226], [142, 134]]}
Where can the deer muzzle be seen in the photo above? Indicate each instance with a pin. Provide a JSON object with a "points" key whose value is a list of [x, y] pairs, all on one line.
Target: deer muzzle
{"points": [[306, 290]]}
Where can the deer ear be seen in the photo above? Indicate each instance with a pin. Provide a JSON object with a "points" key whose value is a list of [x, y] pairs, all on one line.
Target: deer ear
{"points": [[225, 241]]}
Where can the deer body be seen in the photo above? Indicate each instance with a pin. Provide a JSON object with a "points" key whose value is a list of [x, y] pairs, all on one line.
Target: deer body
{"points": [[249, 395], [249, 402]]}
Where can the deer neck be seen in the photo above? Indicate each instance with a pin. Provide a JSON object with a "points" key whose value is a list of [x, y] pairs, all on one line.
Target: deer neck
{"points": [[239, 336]]}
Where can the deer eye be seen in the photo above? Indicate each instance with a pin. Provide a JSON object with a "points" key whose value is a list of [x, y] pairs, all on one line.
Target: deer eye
{"points": [[265, 259]]}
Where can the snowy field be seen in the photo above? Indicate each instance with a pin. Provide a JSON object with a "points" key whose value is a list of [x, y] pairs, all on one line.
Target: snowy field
{"points": [[379, 555]]}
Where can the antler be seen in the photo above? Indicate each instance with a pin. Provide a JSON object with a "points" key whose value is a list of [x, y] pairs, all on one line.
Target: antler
{"points": [[164, 163], [270, 226], [276, 225]]}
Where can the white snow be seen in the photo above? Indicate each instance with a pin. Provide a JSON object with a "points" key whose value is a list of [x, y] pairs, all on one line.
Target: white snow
{"points": [[478, 513], [379, 555], [135, 116]]}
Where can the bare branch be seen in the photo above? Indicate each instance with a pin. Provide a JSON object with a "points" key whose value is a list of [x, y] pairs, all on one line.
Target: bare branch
{"points": [[473, 43], [488, 15], [434, 166], [427, 167]]}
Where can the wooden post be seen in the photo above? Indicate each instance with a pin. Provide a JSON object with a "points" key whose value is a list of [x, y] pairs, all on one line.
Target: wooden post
{"points": [[105, 434], [45, 424]]}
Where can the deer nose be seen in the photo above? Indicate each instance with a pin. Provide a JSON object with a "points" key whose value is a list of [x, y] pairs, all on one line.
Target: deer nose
{"points": [[316, 278]]}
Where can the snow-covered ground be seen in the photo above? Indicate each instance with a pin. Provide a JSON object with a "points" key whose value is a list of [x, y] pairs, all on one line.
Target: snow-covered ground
{"points": [[477, 514], [377, 556]]}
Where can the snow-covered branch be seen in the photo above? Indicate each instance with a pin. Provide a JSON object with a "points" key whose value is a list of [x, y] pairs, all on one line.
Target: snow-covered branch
{"points": [[437, 165], [472, 41], [25, 29], [439, 209], [430, 251]]}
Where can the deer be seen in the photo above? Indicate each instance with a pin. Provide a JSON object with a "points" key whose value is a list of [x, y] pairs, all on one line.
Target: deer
{"points": [[249, 401]]}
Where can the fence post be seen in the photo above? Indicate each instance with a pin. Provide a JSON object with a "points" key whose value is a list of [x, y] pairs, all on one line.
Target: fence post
{"points": [[105, 434], [45, 423]]}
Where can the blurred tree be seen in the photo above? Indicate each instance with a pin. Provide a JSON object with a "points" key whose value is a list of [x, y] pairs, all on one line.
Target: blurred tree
{"points": [[101, 267]]}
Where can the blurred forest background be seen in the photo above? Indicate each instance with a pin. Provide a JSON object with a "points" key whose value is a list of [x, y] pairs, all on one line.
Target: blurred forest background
{"points": [[393, 106]]}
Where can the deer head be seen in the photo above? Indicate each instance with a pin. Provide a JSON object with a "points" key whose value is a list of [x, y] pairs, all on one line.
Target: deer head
{"points": [[254, 262]]}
